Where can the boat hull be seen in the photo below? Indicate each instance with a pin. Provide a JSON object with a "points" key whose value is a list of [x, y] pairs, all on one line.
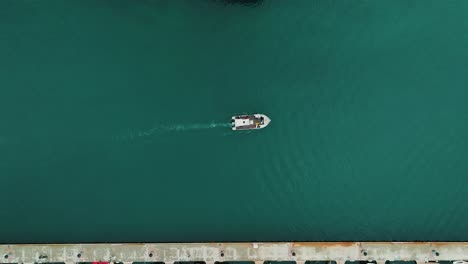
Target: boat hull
{"points": [[250, 122]]}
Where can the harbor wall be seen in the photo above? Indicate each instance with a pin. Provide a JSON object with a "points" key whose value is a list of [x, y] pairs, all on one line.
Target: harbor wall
{"points": [[256, 251]]}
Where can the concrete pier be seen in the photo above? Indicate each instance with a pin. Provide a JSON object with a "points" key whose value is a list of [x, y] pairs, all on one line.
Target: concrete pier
{"points": [[421, 252]]}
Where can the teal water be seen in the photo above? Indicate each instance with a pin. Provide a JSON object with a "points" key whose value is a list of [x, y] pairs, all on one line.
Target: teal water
{"points": [[114, 120]]}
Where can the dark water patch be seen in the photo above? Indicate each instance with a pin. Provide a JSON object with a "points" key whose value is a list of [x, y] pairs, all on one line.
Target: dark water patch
{"points": [[240, 2]]}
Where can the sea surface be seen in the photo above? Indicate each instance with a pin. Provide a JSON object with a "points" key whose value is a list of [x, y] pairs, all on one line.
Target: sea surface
{"points": [[114, 120]]}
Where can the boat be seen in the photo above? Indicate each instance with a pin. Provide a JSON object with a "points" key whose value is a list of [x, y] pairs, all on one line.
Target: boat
{"points": [[249, 122]]}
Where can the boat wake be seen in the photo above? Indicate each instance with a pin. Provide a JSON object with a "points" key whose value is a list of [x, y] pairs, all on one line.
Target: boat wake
{"points": [[159, 129], [193, 126]]}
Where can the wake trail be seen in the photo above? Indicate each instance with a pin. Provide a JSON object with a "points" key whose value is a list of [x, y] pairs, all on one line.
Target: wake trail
{"points": [[160, 129]]}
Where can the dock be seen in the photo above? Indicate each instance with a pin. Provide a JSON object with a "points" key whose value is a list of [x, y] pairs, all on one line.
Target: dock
{"points": [[258, 252]]}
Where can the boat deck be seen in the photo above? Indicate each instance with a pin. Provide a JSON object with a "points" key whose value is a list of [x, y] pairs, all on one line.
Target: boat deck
{"points": [[249, 122]]}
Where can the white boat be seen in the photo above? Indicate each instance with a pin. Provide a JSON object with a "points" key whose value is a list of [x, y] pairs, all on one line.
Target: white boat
{"points": [[249, 122]]}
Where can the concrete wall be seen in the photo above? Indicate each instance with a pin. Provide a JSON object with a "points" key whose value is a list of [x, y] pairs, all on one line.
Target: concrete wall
{"points": [[211, 252]]}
